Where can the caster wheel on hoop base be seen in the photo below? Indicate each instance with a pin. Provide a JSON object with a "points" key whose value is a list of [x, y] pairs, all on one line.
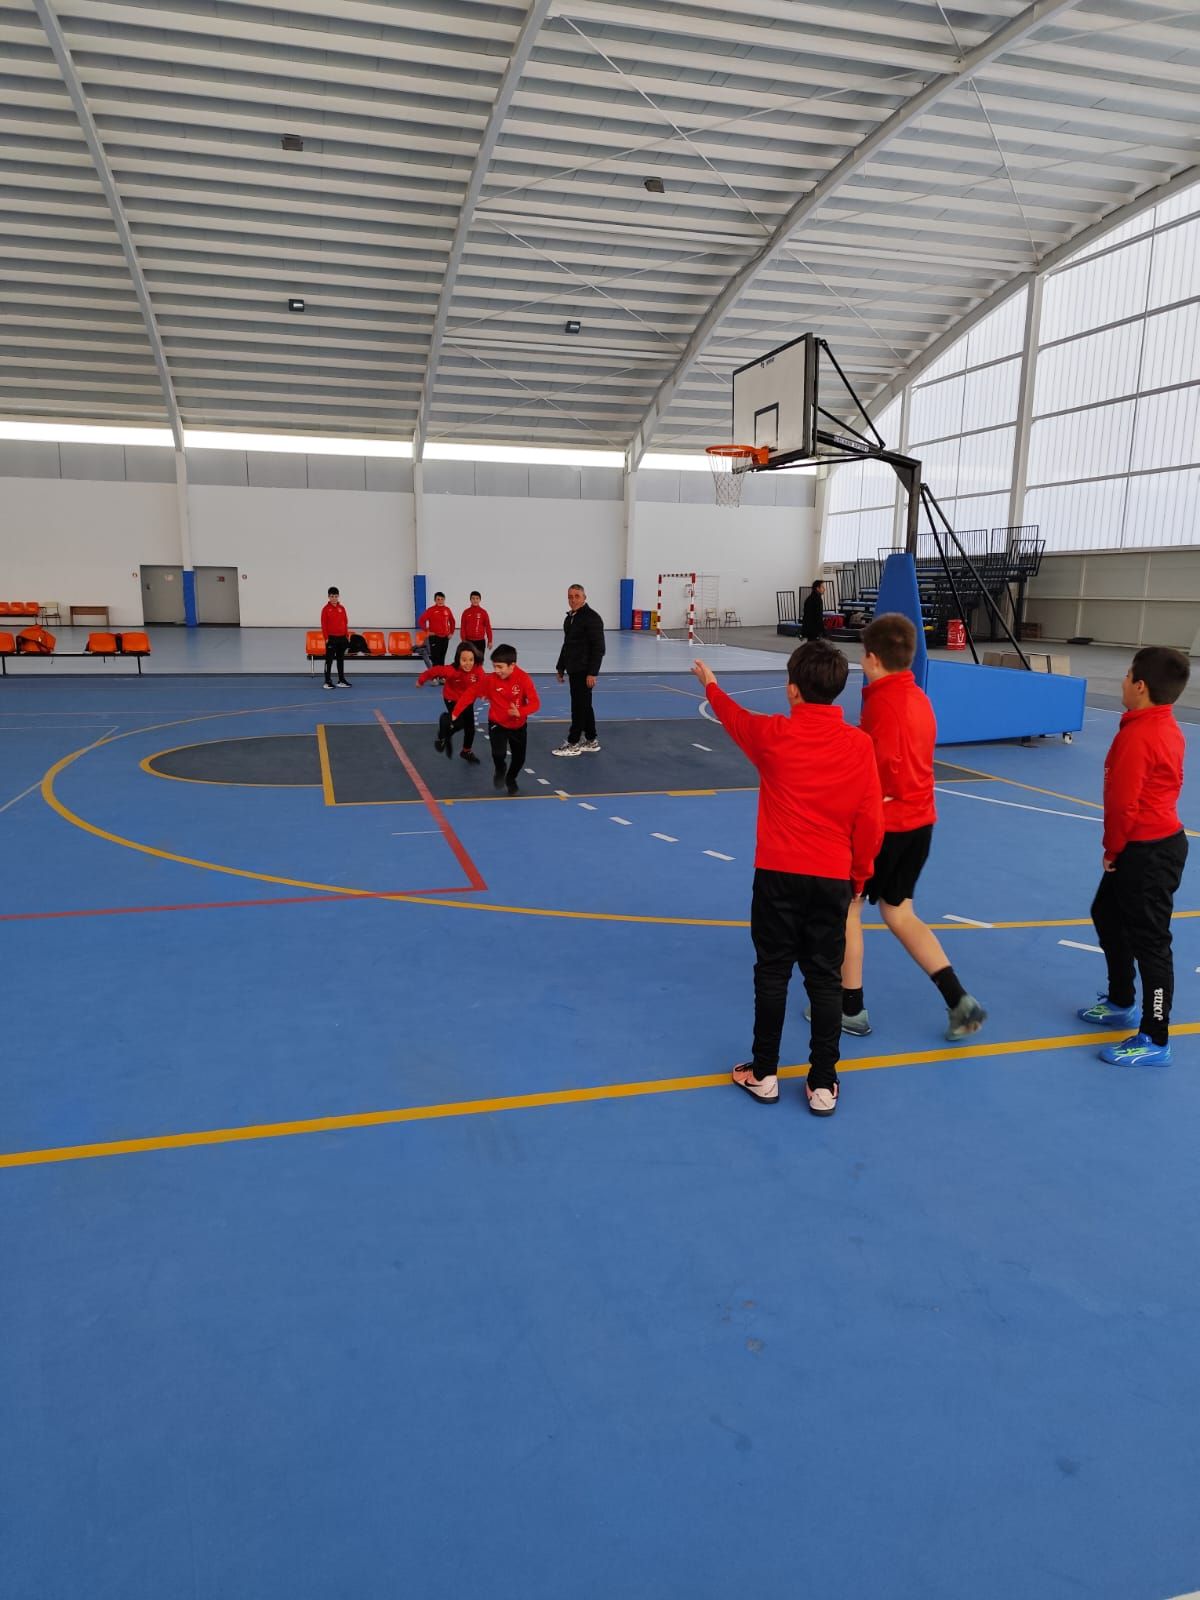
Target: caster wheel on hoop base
{"points": [[1068, 738]]}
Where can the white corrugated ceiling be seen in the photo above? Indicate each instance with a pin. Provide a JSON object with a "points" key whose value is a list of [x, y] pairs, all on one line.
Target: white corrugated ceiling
{"points": [[473, 176]]}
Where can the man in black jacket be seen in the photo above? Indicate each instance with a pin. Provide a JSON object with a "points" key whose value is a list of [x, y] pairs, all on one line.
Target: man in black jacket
{"points": [[812, 618], [579, 661]]}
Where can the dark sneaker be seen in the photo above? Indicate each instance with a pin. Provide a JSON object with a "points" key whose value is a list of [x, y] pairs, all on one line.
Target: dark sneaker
{"points": [[822, 1102], [469, 755], [439, 744], [498, 778], [1106, 1015], [968, 1016], [1140, 1051], [511, 786], [764, 1090]]}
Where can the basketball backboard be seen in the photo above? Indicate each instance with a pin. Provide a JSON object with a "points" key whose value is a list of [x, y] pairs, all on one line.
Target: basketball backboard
{"points": [[795, 401]]}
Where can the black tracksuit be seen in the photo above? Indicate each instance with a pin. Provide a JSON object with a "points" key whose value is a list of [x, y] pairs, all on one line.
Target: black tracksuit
{"points": [[812, 618], [579, 659]]}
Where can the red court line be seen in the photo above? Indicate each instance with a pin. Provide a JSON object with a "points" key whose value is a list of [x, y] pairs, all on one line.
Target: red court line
{"points": [[228, 905], [474, 876]]}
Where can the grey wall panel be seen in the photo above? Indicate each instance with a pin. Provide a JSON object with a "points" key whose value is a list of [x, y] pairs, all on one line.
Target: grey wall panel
{"points": [[270, 469], [1116, 577], [759, 489], [102, 463], [449, 477], [795, 489], [659, 488], [1056, 618], [222, 467], [147, 464], [696, 489], [389, 475], [555, 483], [26, 458], [507, 479], [1111, 621], [1175, 574], [336, 472], [603, 483]]}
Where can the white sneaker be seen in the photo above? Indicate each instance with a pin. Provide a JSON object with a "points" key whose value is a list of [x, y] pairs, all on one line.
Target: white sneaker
{"points": [[822, 1102], [764, 1090], [589, 746], [566, 748]]}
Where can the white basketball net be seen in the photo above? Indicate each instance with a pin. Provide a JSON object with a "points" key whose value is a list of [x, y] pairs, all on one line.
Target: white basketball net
{"points": [[727, 483]]}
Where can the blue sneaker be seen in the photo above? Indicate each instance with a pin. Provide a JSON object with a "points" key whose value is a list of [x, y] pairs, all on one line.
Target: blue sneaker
{"points": [[1106, 1015], [1140, 1051]]}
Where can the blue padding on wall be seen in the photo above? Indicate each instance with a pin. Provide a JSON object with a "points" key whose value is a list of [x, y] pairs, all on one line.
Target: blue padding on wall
{"points": [[978, 703], [626, 603], [898, 592], [190, 615], [419, 600]]}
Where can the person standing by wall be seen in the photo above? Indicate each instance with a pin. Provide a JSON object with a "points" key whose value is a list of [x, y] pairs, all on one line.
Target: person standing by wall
{"points": [[477, 627], [579, 662], [812, 618], [438, 622], [335, 625]]}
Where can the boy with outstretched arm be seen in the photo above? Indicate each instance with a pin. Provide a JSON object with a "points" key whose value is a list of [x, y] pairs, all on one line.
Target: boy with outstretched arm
{"points": [[820, 821], [512, 699], [1145, 849], [898, 719]]}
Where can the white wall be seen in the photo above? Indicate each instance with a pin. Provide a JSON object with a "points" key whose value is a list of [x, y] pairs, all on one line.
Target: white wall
{"points": [[83, 543], [521, 554], [289, 545], [755, 551]]}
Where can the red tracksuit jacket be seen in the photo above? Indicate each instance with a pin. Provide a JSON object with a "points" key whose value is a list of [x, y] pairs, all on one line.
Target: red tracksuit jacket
{"points": [[511, 701], [455, 681], [476, 624], [820, 812], [334, 622], [437, 620], [899, 720], [1143, 774]]}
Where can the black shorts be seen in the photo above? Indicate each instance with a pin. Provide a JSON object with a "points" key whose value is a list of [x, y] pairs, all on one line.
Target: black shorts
{"points": [[898, 865]]}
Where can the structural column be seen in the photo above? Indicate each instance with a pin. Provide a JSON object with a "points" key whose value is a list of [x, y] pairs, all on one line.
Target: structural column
{"points": [[190, 616], [1029, 349]]}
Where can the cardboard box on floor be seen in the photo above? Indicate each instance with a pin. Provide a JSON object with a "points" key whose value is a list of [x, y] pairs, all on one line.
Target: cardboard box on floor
{"points": [[1039, 661]]}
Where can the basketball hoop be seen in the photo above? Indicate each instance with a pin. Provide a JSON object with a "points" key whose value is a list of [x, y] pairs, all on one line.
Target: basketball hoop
{"points": [[729, 463]]}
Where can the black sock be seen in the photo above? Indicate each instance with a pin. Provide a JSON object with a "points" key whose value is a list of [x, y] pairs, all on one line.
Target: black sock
{"points": [[948, 986], [852, 1002]]}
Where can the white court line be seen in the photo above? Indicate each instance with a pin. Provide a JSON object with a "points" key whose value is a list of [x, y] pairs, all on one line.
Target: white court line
{"points": [[1015, 805], [707, 747], [665, 837], [717, 856], [8, 804], [414, 833], [529, 770], [1073, 944], [623, 821], [546, 781], [562, 794], [583, 806], [971, 922]]}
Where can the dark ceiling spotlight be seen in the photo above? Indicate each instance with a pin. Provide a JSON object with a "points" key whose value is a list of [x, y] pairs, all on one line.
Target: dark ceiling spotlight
{"points": [[654, 185], [572, 325], [292, 141], [295, 303]]}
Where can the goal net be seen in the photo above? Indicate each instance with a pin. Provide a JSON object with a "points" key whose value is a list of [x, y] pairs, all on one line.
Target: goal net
{"points": [[689, 606]]}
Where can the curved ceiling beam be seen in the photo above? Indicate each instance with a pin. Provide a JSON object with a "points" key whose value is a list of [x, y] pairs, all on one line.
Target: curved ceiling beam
{"points": [[1053, 258], [937, 89], [522, 50], [62, 56]]}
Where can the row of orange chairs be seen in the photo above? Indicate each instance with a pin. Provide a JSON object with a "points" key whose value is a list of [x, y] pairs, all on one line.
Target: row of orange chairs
{"points": [[19, 608], [398, 643], [99, 644]]}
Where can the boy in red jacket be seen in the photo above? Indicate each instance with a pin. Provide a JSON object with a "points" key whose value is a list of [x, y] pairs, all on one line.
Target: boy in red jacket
{"points": [[438, 622], [476, 627], [512, 700], [899, 720], [335, 625], [466, 673], [1145, 848], [820, 820]]}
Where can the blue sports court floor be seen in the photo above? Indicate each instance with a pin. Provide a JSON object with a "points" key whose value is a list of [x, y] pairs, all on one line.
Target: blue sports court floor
{"points": [[378, 1219]]}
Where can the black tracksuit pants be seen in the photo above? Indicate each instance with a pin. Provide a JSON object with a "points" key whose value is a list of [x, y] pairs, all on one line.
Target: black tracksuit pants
{"points": [[583, 718], [335, 650], [449, 724], [438, 645], [1132, 914], [799, 921], [511, 743]]}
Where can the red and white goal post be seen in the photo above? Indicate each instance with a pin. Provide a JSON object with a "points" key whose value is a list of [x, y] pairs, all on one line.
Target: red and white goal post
{"points": [[669, 584]]}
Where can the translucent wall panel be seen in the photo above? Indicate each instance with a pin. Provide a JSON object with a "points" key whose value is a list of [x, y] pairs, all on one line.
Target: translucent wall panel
{"points": [[843, 491], [867, 485], [1167, 430], [1001, 333], [1127, 230], [1172, 348], [985, 461], [1175, 265], [1081, 444], [1107, 289], [1164, 508], [952, 360], [939, 467], [1079, 516], [1179, 205], [878, 484], [1082, 372], [975, 511], [856, 533], [935, 410], [990, 395]]}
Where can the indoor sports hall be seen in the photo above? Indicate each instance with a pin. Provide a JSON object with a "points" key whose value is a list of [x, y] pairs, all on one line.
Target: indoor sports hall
{"points": [[378, 1213]]}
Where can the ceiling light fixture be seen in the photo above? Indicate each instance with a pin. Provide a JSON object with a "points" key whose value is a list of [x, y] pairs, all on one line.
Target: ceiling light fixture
{"points": [[295, 303], [654, 185], [572, 325], [292, 141]]}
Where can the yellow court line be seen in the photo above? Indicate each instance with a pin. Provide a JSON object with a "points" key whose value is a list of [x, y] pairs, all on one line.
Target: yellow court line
{"points": [[146, 764], [530, 1102], [326, 769]]}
